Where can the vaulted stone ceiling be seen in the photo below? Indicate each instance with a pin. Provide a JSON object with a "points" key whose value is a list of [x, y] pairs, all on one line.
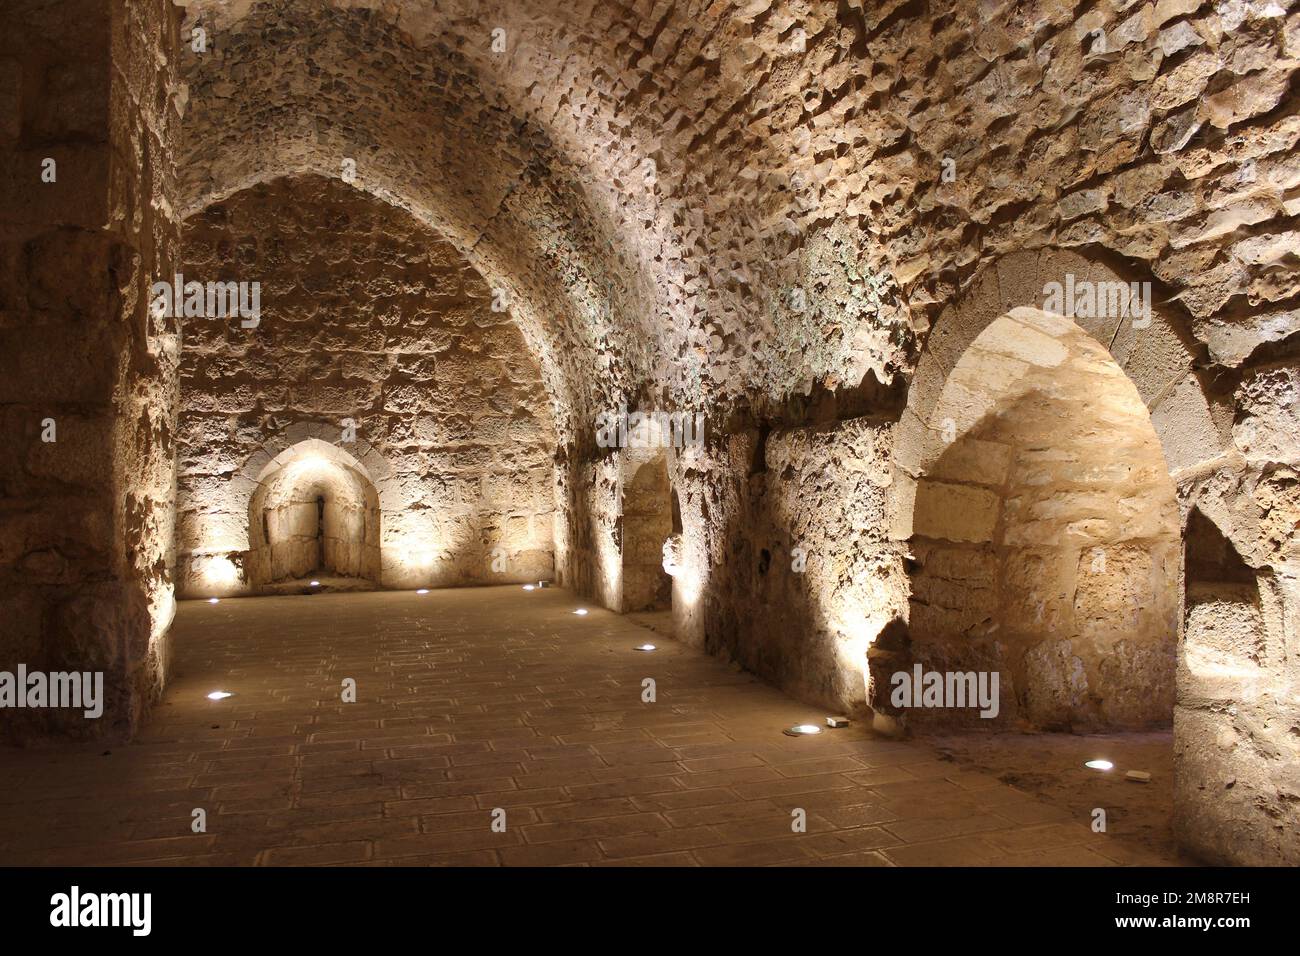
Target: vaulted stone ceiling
{"points": [[631, 175], [748, 198], [720, 207]]}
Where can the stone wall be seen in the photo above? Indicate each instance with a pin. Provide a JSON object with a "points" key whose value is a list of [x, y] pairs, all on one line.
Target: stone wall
{"points": [[588, 550], [786, 566], [783, 214], [87, 111], [377, 339], [647, 522]]}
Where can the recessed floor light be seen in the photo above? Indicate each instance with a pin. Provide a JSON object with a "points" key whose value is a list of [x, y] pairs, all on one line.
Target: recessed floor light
{"points": [[220, 695], [421, 590], [581, 612], [529, 587], [315, 584], [644, 647], [802, 730], [214, 601], [1100, 765]]}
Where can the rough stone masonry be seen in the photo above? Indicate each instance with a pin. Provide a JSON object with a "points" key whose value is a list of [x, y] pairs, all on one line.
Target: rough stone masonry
{"points": [[809, 221]]}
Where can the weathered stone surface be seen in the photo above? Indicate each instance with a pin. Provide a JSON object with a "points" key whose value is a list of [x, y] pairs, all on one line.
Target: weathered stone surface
{"points": [[683, 207], [376, 340]]}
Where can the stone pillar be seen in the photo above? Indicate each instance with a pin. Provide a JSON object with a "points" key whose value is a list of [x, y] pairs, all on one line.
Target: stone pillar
{"points": [[85, 381]]}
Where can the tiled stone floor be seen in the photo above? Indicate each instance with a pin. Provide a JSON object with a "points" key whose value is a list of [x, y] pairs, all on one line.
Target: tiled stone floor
{"points": [[476, 699]]}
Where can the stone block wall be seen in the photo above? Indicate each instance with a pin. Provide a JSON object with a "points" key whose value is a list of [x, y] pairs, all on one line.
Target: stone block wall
{"points": [[747, 209], [588, 540], [87, 113], [375, 338], [647, 522], [787, 567]]}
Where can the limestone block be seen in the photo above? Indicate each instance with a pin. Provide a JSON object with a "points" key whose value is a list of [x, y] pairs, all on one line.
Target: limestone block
{"points": [[1056, 684], [955, 512], [1269, 427]]}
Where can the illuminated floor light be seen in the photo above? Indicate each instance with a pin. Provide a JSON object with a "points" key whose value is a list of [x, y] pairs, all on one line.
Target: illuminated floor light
{"points": [[644, 647], [1100, 765], [315, 584], [529, 587], [581, 612], [421, 590], [214, 601], [220, 695], [802, 730]]}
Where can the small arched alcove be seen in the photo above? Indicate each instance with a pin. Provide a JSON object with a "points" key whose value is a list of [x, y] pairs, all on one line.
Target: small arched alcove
{"points": [[1224, 644], [314, 514]]}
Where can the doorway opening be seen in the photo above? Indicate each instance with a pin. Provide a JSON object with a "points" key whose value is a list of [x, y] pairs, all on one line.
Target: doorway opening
{"points": [[314, 517], [1045, 542], [649, 518]]}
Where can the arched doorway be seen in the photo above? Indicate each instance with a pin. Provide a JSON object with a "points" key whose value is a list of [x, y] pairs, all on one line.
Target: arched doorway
{"points": [[314, 515], [1061, 304], [647, 519], [1045, 534]]}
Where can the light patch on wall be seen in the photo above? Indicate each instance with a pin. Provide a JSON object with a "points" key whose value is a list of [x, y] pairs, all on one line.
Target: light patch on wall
{"points": [[687, 586], [611, 564], [419, 556], [858, 629], [218, 573]]}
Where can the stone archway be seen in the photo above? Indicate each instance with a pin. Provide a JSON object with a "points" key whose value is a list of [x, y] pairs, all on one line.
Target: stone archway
{"points": [[1229, 614], [1158, 357], [225, 548], [646, 519], [1045, 534], [315, 512], [1147, 343], [1151, 350], [982, 358]]}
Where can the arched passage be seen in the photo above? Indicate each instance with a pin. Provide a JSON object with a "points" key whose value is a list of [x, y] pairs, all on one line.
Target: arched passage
{"points": [[1045, 541], [315, 513], [647, 520], [376, 336], [1039, 468]]}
